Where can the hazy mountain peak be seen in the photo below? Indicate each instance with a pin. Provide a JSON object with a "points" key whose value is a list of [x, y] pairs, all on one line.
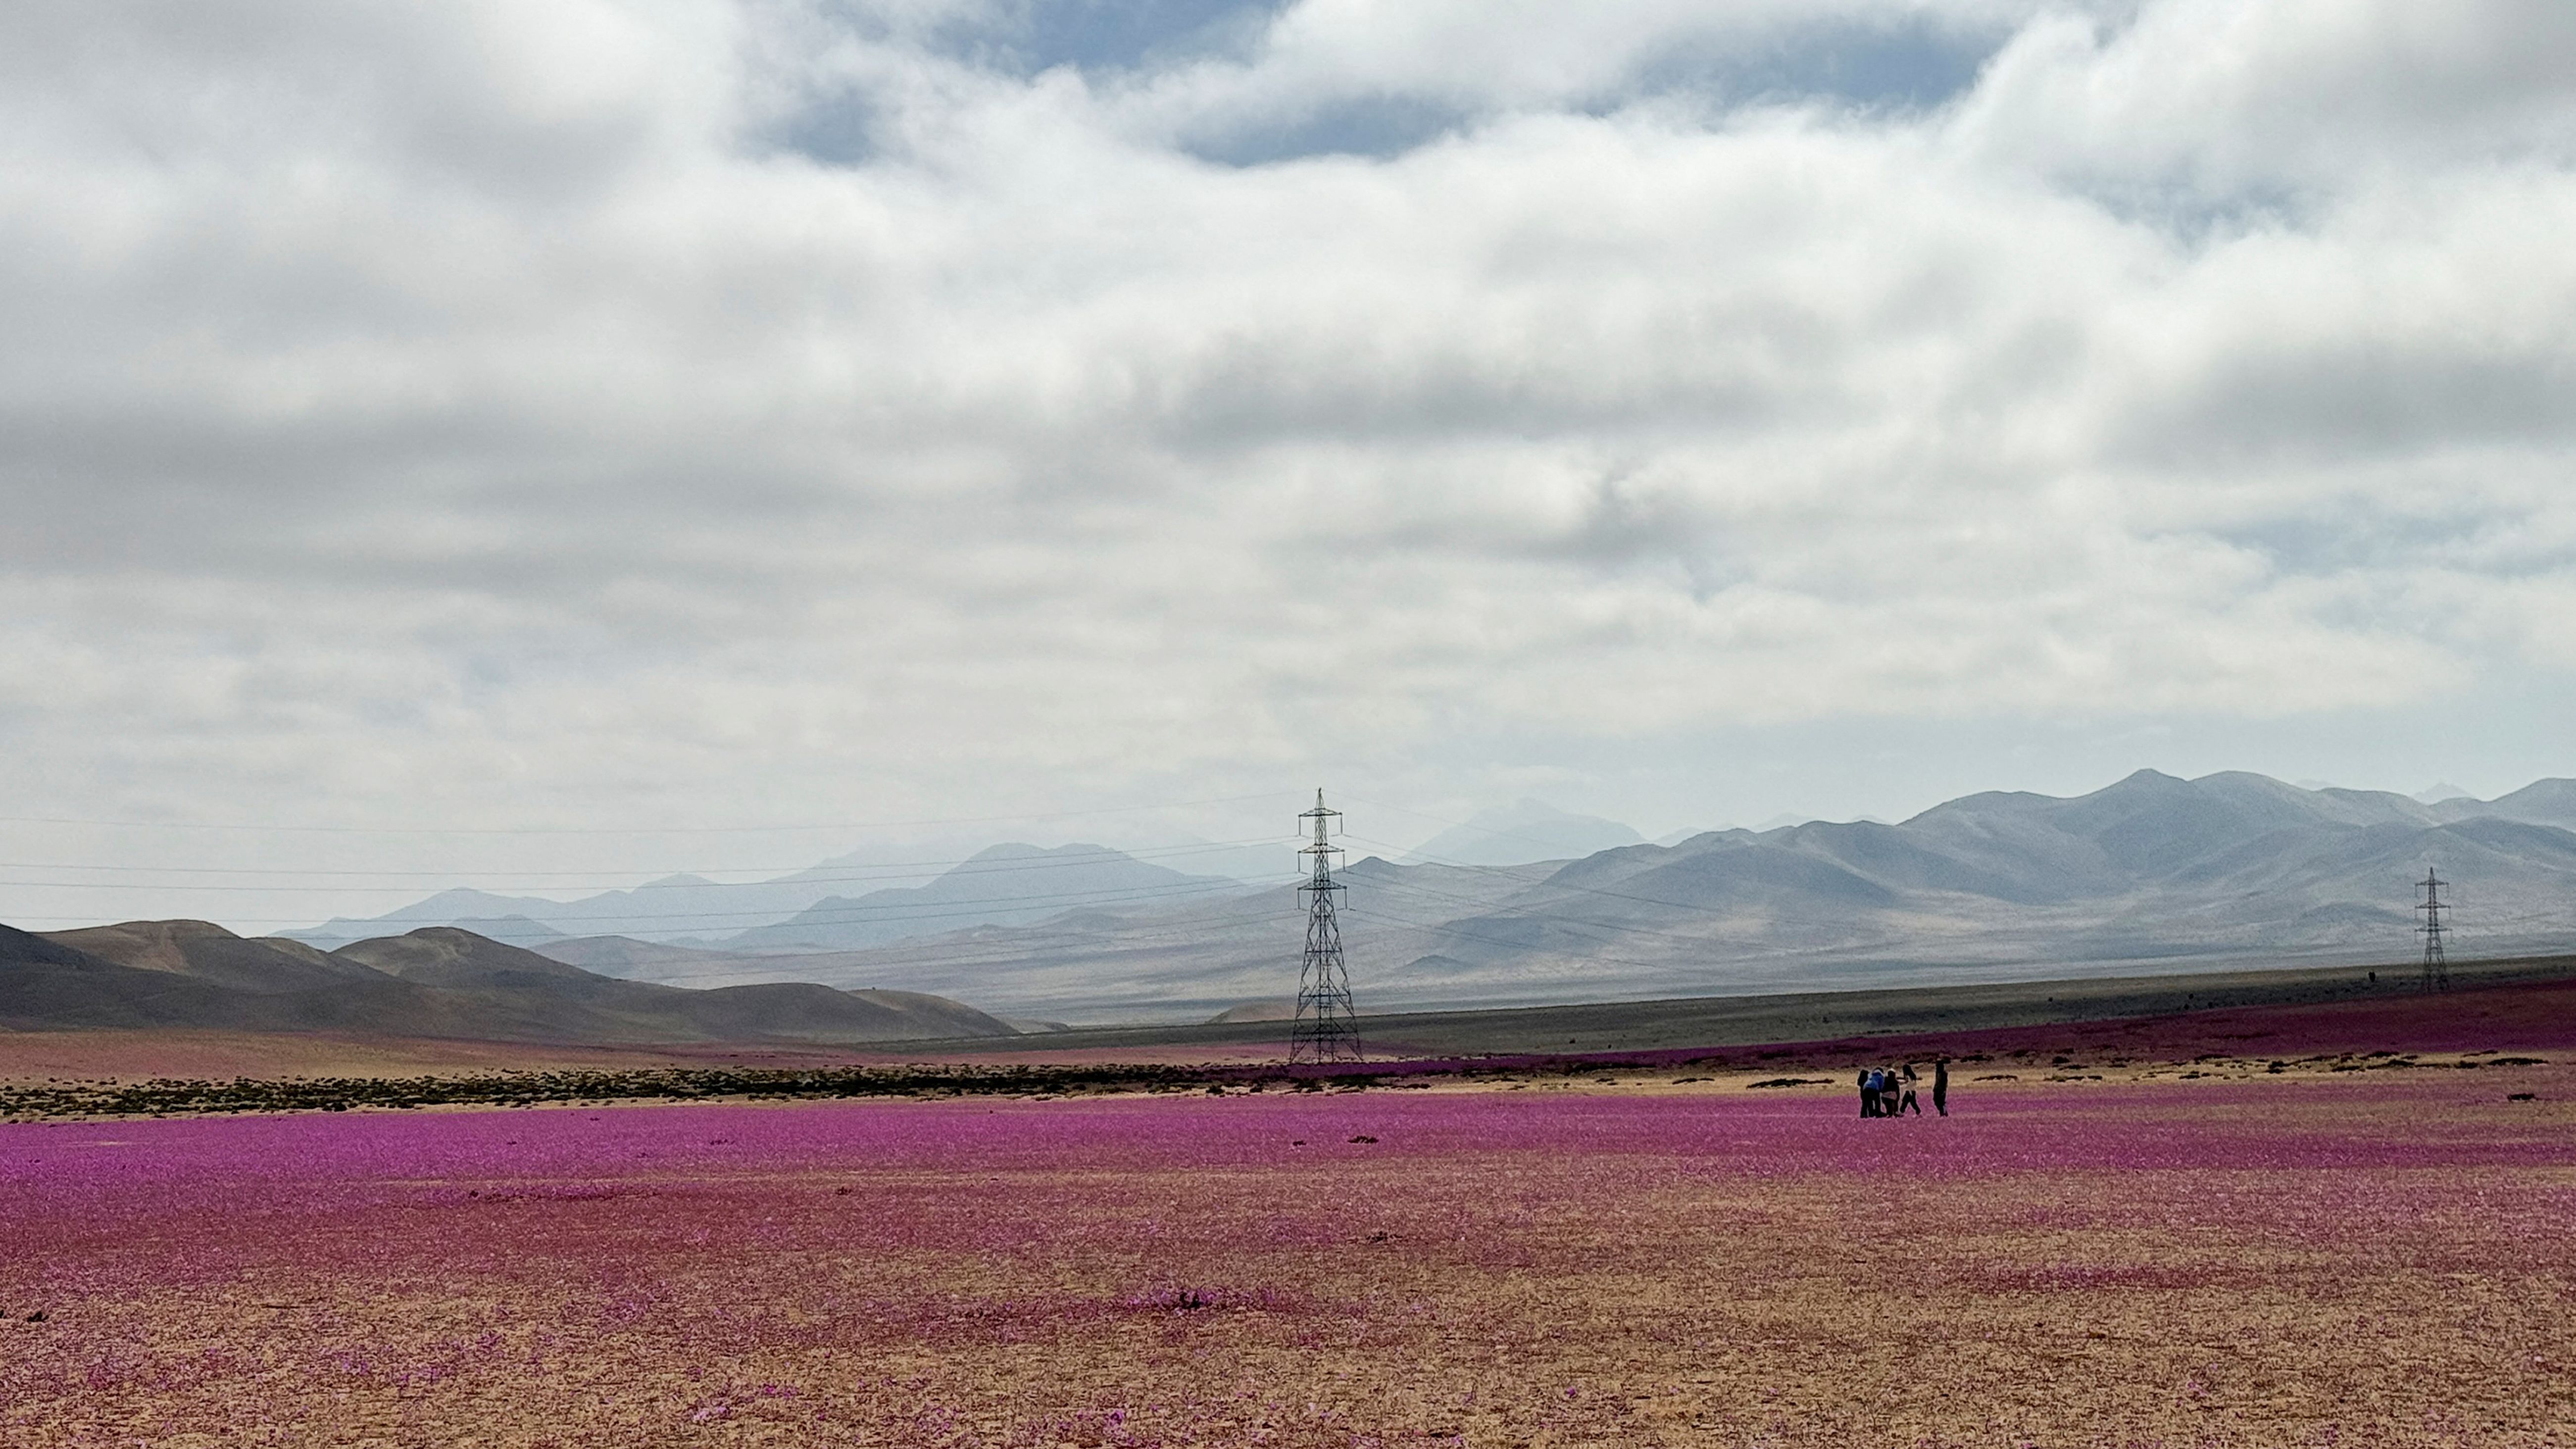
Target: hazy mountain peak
{"points": [[2441, 793], [1014, 850], [1524, 832], [1008, 883]]}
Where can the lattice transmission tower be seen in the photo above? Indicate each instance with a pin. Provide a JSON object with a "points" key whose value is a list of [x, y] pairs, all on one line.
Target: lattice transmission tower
{"points": [[1325, 1029], [2437, 966]]}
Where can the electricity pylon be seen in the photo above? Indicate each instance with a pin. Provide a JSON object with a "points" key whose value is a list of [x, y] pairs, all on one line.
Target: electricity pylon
{"points": [[1326, 1029], [2437, 966]]}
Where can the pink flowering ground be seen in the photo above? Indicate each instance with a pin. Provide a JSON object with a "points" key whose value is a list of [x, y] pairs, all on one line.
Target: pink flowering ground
{"points": [[2367, 1259]]}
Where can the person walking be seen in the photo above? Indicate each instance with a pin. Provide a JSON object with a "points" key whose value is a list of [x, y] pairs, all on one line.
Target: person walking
{"points": [[1941, 1086], [1907, 1102]]}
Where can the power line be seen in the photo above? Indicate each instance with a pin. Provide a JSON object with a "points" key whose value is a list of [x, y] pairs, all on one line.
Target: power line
{"points": [[1492, 908], [1325, 1026], [1563, 886], [1491, 913], [1490, 941], [629, 830], [1455, 824], [898, 956], [997, 868], [756, 919], [2437, 962], [1142, 852]]}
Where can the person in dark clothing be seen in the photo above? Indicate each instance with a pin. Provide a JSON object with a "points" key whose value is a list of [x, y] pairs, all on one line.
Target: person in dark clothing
{"points": [[1941, 1086], [1906, 1102], [1868, 1096]]}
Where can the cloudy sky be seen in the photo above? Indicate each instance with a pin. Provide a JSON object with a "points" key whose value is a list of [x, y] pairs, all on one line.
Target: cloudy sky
{"points": [[502, 439]]}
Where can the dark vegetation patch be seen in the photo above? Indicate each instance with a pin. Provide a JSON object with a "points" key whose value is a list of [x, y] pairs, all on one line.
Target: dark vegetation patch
{"points": [[169, 1096]]}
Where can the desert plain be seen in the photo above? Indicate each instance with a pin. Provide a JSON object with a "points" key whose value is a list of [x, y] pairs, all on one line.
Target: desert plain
{"points": [[2231, 1228]]}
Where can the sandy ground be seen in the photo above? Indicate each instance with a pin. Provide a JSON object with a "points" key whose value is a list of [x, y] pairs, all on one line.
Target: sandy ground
{"points": [[2237, 1258]]}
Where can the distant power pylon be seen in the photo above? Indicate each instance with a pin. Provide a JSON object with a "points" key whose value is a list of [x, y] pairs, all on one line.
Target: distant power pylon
{"points": [[1326, 1029], [2437, 966]]}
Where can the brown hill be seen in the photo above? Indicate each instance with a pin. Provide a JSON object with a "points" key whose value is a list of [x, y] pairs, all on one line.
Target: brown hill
{"points": [[439, 982], [209, 952], [581, 1005], [60, 986]]}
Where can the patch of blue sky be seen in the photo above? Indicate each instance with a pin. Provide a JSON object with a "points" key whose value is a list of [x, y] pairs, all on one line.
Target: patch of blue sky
{"points": [[1901, 64], [2352, 536], [1908, 63], [838, 128], [843, 126], [1367, 125], [1028, 37]]}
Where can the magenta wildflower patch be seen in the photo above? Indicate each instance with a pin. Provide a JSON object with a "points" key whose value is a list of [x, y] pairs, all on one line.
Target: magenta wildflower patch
{"points": [[2310, 1260]]}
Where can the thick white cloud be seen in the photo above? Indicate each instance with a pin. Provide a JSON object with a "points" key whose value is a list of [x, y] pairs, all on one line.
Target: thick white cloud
{"points": [[634, 414]]}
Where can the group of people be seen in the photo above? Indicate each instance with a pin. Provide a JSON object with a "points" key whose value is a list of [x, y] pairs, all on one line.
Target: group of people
{"points": [[1889, 1091]]}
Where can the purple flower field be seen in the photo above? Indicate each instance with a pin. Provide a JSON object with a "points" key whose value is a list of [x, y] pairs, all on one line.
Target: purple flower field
{"points": [[2305, 1260]]}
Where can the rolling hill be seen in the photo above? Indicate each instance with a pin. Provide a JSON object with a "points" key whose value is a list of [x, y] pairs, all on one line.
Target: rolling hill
{"points": [[435, 982]]}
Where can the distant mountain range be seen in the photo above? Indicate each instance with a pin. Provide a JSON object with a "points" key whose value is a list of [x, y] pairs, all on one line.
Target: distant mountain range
{"points": [[2150, 873], [818, 909], [828, 908], [1008, 884], [435, 982]]}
